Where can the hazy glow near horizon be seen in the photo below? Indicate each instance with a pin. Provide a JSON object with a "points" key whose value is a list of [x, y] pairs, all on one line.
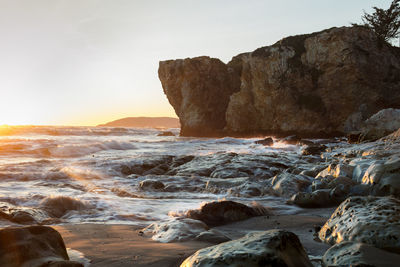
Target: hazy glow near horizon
{"points": [[73, 62]]}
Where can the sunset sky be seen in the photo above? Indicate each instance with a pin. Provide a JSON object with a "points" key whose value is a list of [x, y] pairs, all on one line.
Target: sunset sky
{"points": [[85, 62]]}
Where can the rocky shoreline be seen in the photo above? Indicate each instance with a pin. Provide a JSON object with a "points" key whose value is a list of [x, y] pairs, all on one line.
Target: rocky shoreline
{"points": [[361, 180]]}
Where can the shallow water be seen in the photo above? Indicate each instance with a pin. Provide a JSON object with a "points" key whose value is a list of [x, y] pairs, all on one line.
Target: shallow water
{"points": [[89, 174]]}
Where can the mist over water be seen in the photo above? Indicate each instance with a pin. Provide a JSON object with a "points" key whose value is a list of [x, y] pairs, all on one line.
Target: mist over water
{"points": [[110, 175]]}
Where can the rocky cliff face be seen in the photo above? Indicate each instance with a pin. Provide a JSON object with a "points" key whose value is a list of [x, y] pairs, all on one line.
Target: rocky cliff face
{"points": [[324, 83]]}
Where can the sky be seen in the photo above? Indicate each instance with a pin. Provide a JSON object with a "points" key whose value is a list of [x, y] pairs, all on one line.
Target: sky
{"points": [[86, 62]]}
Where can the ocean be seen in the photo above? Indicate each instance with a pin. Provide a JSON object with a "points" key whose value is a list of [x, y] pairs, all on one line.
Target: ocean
{"points": [[58, 175]]}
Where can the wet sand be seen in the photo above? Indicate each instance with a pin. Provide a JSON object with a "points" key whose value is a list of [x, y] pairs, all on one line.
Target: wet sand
{"points": [[122, 245]]}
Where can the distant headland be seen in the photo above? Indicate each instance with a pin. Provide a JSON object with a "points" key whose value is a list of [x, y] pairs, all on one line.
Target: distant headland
{"points": [[144, 122]]}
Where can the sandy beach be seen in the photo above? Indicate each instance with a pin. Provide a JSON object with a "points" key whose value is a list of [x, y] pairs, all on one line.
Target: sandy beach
{"points": [[123, 245]]}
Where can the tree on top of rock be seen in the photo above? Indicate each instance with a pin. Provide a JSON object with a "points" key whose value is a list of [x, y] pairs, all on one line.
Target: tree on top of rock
{"points": [[384, 23]]}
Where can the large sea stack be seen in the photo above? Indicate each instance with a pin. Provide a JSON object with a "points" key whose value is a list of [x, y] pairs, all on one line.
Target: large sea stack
{"points": [[321, 84]]}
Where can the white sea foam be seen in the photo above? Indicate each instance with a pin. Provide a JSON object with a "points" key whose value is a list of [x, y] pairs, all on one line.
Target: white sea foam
{"points": [[102, 167]]}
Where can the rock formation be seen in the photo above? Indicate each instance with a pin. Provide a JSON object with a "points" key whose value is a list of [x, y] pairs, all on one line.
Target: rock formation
{"points": [[370, 220], [324, 83], [269, 248]]}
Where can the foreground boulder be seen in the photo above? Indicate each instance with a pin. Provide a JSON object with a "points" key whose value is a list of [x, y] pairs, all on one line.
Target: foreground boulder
{"points": [[370, 220], [318, 84], [33, 246], [223, 212], [269, 248], [358, 254]]}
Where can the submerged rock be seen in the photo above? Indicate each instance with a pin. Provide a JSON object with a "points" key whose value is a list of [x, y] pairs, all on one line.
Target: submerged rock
{"points": [[318, 84], [313, 150], [60, 205], [265, 142], [151, 185], [358, 254], [34, 246], [291, 140], [223, 212], [166, 133], [269, 248], [371, 220]]}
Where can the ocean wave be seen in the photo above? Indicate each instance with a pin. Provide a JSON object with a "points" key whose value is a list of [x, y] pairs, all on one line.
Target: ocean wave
{"points": [[52, 148], [73, 131]]}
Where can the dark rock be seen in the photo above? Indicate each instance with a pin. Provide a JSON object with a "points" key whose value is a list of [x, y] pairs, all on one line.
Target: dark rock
{"points": [[354, 137], [149, 165], [59, 206], [223, 212], [291, 87], [306, 143], [62, 264], [313, 150], [291, 140], [22, 217], [151, 185], [265, 142], [33, 246], [166, 133]]}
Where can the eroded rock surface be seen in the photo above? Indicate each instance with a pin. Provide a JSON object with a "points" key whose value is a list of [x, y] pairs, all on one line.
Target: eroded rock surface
{"points": [[269, 248], [199, 90], [358, 254], [371, 220], [324, 83]]}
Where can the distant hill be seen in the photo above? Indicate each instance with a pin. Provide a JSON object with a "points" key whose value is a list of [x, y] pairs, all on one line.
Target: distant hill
{"points": [[144, 122]]}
